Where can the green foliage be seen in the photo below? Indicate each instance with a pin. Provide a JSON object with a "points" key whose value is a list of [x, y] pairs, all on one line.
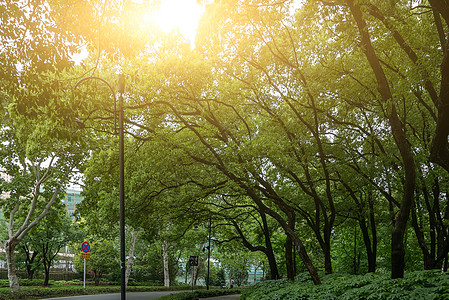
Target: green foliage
{"points": [[272, 111], [217, 278], [104, 259], [415, 285], [148, 265], [236, 260], [46, 240]]}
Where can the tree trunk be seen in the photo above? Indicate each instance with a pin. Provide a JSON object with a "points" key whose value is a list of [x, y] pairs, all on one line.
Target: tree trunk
{"points": [[97, 276], [439, 151], [12, 275], [327, 257], [195, 269], [367, 241], [47, 262], [428, 258], [274, 272], [194, 275], [446, 260], [400, 138], [371, 249], [289, 248], [165, 259], [289, 258], [46, 275], [267, 250], [28, 223], [354, 258], [302, 253], [297, 241], [307, 261], [129, 265], [30, 257], [295, 270], [30, 272], [231, 280], [299, 247], [441, 227], [434, 257], [372, 259]]}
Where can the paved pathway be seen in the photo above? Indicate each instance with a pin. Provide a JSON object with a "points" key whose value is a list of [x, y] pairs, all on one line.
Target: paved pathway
{"points": [[227, 297], [129, 296], [139, 296]]}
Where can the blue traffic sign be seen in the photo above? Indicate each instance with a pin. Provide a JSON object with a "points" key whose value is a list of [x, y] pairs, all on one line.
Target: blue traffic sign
{"points": [[85, 247]]}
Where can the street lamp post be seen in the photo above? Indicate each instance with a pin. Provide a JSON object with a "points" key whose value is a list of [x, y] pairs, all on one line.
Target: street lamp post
{"points": [[121, 90], [208, 254]]}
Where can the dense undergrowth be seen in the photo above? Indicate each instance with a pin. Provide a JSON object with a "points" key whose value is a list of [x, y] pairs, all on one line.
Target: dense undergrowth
{"points": [[415, 285]]}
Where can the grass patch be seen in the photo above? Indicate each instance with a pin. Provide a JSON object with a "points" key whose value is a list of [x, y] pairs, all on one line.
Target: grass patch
{"points": [[416, 285]]}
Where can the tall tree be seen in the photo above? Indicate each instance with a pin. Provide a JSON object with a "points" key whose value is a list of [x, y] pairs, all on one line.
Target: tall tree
{"points": [[37, 151], [314, 117], [440, 145], [40, 165], [53, 233]]}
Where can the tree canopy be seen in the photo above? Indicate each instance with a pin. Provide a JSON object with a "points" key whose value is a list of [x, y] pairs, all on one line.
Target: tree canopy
{"points": [[289, 126]]}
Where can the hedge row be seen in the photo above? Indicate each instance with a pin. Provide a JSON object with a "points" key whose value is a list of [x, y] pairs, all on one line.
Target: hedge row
{"points": [[33, 292]]}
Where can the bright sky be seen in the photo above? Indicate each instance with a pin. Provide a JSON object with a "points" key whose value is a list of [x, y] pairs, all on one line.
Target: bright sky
{"points": [[179, 14], [182, 15]]}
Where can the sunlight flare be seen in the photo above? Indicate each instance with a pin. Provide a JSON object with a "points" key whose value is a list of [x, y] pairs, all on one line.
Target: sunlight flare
{"points": [[182, 15]]}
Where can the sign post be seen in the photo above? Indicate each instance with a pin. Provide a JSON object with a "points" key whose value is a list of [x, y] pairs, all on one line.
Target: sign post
{"points": [[84, 275], [193, 261], [85, 247]]}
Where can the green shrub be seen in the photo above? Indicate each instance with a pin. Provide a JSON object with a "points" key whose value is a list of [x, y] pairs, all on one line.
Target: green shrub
{"points": [[133, 282], [200, 294], [218, 278], [72, 290]]}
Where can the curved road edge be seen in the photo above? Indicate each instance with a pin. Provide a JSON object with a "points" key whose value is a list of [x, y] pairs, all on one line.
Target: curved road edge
{"points": [[129, 296]]}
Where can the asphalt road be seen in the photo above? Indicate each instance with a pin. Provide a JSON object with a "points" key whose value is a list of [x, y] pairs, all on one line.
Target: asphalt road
{"points": [[129, 296], [227, 297]]}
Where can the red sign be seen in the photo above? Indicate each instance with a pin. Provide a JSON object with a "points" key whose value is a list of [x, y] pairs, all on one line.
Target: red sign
{"points": [[85, 247]]}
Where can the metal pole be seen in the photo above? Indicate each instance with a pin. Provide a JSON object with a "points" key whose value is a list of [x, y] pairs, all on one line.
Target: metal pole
{"points": [[208, 254], [193, 275], [84, 275], [121, 90]]}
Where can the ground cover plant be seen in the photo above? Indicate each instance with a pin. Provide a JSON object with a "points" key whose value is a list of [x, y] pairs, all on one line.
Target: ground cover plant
{"points": [[415, 285]]}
